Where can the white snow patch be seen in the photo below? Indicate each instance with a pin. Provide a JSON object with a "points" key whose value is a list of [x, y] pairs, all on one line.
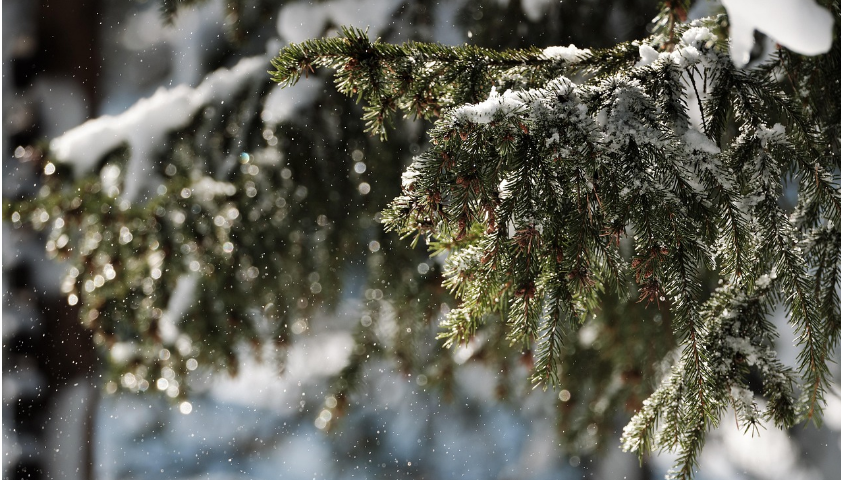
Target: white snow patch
{"points": [[696, 140], [775, 134], [499, 107], [484, 112], [504, 189], [587, 335], [692, 43], [765, 280], [741, 395], [180, 301], [744, 347], [282, 103], [832, 410], [309, 359], [409, 177], [800, 25], [301, 21], [110, 178], [122, 352], [144, 124], [570, 54], [698, 37], [648, 55], [512, 228], [206, 188], [769, 455], [561, 86]]}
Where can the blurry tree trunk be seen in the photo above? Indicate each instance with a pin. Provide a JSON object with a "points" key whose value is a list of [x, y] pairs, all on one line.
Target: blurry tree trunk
{"points": [[68, 43], [58, 352], [68, 37]]}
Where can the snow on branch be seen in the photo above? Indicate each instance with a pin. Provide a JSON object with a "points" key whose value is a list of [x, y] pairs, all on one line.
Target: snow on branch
{"points": [[145, 124], [800, 25]]}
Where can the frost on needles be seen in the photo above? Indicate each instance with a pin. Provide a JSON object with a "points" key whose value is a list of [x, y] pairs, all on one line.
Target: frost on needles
{"points": [[555, 182]]}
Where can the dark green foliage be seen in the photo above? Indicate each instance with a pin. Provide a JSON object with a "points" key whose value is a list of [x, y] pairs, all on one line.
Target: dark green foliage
{"points": [[418, 79], [268, 241], [534, 194]]}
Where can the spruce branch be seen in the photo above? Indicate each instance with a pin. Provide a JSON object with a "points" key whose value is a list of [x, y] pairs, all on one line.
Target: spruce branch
{"points": [[422, 79], [565, 196]]}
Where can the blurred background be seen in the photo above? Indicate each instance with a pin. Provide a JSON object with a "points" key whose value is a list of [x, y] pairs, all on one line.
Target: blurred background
{"points": [[68, 61]]}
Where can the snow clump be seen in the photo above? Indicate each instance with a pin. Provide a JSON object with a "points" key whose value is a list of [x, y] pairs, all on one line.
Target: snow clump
{"points": [[688, 52], [697, 141], [803, 26], [648, 55], [570, 54], [742, 396], [698, 37], [775, 134], [484, 112]]}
